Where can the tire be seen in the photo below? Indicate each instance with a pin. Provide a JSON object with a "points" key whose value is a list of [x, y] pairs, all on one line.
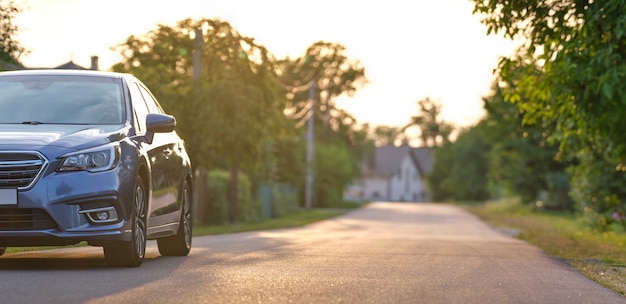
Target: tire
{"points": [[179, 244], [132, 253]]}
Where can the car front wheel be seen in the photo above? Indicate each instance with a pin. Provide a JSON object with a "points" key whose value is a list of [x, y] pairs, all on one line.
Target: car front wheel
{"points": [[131, 254]]}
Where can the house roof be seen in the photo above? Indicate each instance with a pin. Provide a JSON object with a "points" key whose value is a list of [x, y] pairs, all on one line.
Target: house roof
{"points": [[70, 65], [424, 159], [386, 160]]}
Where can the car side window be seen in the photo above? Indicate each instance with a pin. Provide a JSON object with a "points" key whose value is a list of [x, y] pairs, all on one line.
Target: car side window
{"points": [[139, 106], [153, 105]]}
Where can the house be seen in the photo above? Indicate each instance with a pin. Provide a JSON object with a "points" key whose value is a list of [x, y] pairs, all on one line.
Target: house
{"points": [[393, 173], [70, 65]]}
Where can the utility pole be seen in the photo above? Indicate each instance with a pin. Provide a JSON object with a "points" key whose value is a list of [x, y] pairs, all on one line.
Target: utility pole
{"points": [[200, 184], [310, 148]]}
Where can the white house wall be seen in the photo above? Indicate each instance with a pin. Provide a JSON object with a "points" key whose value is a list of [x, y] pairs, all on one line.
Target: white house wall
{"points": [[368, 189], [407, 184], [376, 189]]}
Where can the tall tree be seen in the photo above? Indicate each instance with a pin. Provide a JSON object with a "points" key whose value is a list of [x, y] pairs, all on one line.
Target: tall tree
{"points": [[327, 72], [10, 48], [232, 110], [433, 130], [574, 54], [568, 77], [522, 161], [325, 66]]}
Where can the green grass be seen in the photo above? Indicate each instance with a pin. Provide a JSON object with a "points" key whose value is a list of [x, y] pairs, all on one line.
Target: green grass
{"points": [[290, 220], [35, 248], [599, 255]]}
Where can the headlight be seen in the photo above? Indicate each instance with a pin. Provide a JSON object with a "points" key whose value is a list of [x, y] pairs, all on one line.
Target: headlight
{"points": [[92, 160]]}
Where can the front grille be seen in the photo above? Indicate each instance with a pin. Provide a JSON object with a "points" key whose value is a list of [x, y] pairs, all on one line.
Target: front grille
{"points": [[20, 169], [14, 219]]}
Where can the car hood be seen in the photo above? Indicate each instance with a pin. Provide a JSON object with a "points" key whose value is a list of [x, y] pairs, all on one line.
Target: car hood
{"points": [[70, 137]]}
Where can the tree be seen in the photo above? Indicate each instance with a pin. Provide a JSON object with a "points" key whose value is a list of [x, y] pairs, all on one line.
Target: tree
{"points": [[232, 111], [568, 77], [330, 73], [571, 66], [325, 66], [387, 135], [460, 169], [522, 161], [10, 48], [433, 131]]}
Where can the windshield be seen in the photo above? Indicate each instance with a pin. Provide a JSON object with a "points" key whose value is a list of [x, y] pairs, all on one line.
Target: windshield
{"points": [[60, 99]]}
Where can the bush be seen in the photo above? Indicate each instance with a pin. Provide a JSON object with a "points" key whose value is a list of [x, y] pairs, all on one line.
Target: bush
{"points": [[335, 170], [598, 189], [217, 199], [277, 199]]}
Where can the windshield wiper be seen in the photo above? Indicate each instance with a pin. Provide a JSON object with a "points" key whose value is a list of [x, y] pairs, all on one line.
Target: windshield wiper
{"points": [[32, 122]]}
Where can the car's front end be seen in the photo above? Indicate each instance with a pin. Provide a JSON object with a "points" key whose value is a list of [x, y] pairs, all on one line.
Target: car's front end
{"points": [[55, 191]]}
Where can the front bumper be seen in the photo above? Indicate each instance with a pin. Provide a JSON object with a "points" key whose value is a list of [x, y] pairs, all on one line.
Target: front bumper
{"points": [[59, 210]]}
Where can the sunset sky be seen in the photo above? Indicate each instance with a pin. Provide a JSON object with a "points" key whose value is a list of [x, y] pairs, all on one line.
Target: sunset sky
{"points": [[410, 49]]}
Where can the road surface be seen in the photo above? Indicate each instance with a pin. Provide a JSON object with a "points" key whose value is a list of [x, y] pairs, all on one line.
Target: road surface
{"points": [[383, 253]]}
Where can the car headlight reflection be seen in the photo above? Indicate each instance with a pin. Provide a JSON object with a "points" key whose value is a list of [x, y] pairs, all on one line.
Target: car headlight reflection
{"points": [[92, 160]]}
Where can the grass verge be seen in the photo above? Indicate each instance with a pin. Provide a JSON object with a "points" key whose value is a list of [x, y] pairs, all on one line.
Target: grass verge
{"points": [[601, 256], [290, 220]]}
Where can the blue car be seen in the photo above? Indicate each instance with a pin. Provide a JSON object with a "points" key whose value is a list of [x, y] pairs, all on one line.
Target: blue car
{"points": [[89, 156]]}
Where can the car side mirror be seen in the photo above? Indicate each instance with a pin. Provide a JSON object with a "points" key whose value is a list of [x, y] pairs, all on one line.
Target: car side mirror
{"points": [[159, 123]]}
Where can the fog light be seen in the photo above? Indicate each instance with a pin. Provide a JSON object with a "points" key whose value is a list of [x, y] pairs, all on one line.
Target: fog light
{"points": [[102, 215]]}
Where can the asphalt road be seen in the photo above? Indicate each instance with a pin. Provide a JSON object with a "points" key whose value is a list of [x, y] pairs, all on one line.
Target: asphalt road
{"points": [[383, 253]]}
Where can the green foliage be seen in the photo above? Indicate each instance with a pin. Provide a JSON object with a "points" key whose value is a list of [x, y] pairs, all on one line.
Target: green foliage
{"points": [[568, 77], [325, 65], [222, 87], [233, 108], [460, 169], [386, 135], [281, 199], [10, 49], [433, 131], [521, 158], [598, 187], [571, 69], [232, 116], [501, 157], [217, 194], [217, 199], [335, 168]]}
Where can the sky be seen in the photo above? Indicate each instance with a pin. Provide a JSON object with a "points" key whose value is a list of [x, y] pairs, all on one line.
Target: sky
{"points": [[410, 50]]}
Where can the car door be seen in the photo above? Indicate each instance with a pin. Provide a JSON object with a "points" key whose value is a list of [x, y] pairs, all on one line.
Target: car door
{"points": [[166, 162]]}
